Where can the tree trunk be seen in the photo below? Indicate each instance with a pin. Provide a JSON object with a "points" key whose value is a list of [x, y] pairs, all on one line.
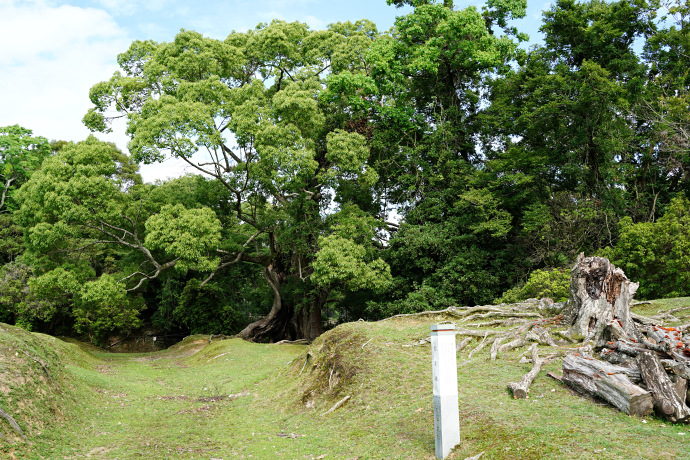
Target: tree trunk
{"points": [[308, 321], [600, 295], [666, 400], [282, 322], [521, 388], [607, 381], [277, 325]]}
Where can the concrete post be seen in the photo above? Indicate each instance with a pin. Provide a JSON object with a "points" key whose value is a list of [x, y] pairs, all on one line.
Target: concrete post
{"points": [[445, 375]]}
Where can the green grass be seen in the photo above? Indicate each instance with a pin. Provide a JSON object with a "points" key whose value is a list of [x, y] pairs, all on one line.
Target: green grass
{"points": [[234, 399]]}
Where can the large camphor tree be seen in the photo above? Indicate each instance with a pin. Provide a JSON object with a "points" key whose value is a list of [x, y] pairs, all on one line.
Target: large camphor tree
{"points": [[254, 113]]}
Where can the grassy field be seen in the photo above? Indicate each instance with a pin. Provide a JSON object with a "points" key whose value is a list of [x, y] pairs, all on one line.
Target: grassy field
{"points": [[232, 399]]}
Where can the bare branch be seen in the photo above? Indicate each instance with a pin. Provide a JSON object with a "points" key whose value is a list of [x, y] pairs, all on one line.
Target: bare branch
{"points": [[8, 182], [145, 277]]}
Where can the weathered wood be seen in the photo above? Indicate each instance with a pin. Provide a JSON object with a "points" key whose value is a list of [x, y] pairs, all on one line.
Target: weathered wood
{"points": [[629, 349], [13, 423], [555, 376], [681, 387], [599, 293], [461, 345], [666, 400], [336, 405], [607, 381], [521, 388], [679, 369], [494, 347], [616, 357]]}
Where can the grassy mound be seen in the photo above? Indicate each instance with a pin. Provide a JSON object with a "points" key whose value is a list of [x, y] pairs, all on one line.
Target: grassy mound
{"points": [[36, 389]]}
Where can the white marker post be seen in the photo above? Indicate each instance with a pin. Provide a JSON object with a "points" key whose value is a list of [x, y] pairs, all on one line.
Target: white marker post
{"points": [[445, 375]]}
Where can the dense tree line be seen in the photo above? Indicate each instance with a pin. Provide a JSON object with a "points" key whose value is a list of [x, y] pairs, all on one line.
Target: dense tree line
{"points": [[350, 173]]}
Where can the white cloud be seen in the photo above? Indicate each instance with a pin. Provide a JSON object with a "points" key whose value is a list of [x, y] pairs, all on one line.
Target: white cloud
{"points": [[314, 23], [57, 54]]}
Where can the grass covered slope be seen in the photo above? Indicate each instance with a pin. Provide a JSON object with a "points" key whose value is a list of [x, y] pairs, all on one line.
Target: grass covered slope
{"points": [[37, 390], [234, 399]]}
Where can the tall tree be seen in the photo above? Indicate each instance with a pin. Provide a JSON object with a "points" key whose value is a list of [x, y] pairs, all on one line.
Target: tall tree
{"points": [[21, 154], [562, 128], [451, 244], [253, 104]]}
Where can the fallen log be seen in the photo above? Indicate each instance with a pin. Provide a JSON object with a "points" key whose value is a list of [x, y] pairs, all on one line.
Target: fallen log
{"points": [[15, 426], [681, 387], [679, 369], [607, 381], [521, 388], [666, 400]]}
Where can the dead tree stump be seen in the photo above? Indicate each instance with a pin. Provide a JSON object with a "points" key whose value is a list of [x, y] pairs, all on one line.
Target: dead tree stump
{"points": [[600, 295]]}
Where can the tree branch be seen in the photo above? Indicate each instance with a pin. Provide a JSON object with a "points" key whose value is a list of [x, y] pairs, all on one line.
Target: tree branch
{"points": [[8, 182]]}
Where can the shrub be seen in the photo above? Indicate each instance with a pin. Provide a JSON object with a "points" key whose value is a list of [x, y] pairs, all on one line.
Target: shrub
{"points": [[553, 283], [657, 254]]}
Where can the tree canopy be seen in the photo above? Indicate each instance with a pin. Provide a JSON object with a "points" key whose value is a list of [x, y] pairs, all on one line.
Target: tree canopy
{"points": [[348, 173]]}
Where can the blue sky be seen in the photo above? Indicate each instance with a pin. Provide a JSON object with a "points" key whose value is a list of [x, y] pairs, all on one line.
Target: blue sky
{"points": [[52, 52]]}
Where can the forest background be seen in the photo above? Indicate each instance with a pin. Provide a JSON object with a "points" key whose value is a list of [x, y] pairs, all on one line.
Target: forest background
{"points": [[352, 173]]}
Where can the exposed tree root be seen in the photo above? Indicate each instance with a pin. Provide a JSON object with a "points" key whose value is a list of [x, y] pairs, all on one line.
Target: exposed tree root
{"points": [[521, 388], [337, 405], [15, 426]]}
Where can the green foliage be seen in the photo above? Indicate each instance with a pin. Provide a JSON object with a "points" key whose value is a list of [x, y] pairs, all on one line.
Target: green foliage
{"points": [[102, 308], [553, 284], [205, 310], [341, 260], [278, 140], [557, 230], [20, 155], [657, 254], [492, 161], [14, 280], [11, 238], [189, 235]]}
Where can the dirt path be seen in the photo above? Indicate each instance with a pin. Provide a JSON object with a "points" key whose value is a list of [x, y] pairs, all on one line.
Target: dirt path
{"points": [[189, 402]]}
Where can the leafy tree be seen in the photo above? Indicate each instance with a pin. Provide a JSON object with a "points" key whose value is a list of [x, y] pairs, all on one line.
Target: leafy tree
{"points": [[553, 284], [657, 254], [21, 154], [91, 224], [666, 104], [102, 307], [569, 155], [255, 104], [451, 246]]}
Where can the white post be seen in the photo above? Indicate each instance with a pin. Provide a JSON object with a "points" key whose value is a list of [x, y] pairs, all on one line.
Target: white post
{"points": [[445, 375]]}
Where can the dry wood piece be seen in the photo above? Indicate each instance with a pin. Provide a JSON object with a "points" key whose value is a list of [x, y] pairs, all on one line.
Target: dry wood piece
{"points": [[521, 388], [607, 381], [555, 376], [466, 341], [475, 332], [494, 347], [337, 405], [625, 348], [13, 423], [679, 369], [681, 387], [666, 400]]}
